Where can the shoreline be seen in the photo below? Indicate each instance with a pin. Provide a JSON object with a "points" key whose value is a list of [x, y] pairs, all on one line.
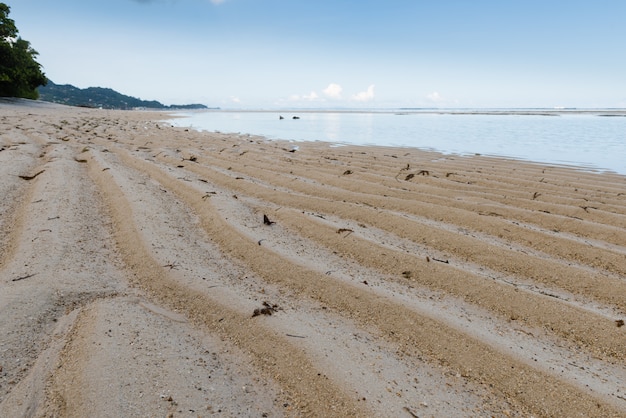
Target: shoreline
{"points": [[169, 270], [446, 111], [430, 135], [408, 111]]}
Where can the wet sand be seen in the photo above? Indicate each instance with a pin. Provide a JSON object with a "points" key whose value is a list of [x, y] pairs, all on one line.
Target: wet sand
{"points": [[147, 270]]}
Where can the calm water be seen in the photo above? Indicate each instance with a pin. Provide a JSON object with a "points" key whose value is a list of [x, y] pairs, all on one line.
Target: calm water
{"points": [[584, 140]]}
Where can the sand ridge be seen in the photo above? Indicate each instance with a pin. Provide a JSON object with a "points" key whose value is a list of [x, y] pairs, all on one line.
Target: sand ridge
{"points": [[395, 282]]}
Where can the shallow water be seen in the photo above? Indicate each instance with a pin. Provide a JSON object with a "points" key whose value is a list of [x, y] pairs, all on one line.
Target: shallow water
{"points": [[586, 140]]}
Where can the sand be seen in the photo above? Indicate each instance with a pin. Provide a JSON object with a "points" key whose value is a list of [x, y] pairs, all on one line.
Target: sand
{"points": [[147, 270]]}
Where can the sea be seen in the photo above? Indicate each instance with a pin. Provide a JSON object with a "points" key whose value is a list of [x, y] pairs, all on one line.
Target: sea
{"points": [[593, 140]]}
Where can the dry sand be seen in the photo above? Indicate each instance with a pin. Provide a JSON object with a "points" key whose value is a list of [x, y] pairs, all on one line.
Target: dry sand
{"points": [[400, 283]]}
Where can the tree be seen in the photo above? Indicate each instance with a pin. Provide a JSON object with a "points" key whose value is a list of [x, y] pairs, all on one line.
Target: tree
{"points": [[20, 74]]}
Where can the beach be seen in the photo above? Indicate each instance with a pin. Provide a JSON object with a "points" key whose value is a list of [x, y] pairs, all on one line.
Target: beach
{"points": [[151, 270]]}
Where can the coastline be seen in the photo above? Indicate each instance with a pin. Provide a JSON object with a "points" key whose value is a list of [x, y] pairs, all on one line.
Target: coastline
{"points": [[432, 111], [589, 139], [385, 281]]}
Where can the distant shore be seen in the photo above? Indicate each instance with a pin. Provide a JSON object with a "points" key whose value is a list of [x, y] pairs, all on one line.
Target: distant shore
{"points": [[443, 111], [408, 111]]}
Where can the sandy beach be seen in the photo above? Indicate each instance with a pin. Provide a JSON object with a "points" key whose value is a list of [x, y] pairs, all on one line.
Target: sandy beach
{"points": [[153, 271]]}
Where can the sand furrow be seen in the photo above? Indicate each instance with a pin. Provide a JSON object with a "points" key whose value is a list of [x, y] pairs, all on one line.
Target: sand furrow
{"points": [[440, 205], [504, 260], [272, 353], [17, 158], [503, 225], [194, 372], [304, 323], [43, 278], [285, 238], [401, 281], [411, 330], [429, 190]]}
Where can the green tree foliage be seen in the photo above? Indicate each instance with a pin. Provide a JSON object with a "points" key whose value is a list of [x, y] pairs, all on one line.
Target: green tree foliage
{"points": [[20, 74]]}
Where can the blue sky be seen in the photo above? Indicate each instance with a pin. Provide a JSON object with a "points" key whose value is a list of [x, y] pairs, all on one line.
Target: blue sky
{"points": [[336, 53]]}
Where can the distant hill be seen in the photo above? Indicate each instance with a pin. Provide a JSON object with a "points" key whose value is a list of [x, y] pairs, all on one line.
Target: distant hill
{"points": [[99, 97]]}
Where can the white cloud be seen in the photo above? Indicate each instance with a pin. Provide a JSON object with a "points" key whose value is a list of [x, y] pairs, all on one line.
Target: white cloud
{"points": [[311, 96], [235, 100], [365, 96], [333, 91], [434, 97]]}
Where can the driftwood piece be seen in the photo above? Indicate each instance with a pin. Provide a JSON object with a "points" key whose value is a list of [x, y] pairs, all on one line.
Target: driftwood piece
{"points": [[17, 279], [31, 177]]}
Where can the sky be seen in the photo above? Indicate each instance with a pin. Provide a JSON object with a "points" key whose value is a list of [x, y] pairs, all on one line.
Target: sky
{"points": [[266, 54]]}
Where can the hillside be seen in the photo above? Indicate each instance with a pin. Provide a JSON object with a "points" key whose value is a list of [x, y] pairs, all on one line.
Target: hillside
{"points": [[99, 97]]}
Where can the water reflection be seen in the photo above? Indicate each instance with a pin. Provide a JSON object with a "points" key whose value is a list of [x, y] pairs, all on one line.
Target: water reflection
{"points": [[579, 139]]}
